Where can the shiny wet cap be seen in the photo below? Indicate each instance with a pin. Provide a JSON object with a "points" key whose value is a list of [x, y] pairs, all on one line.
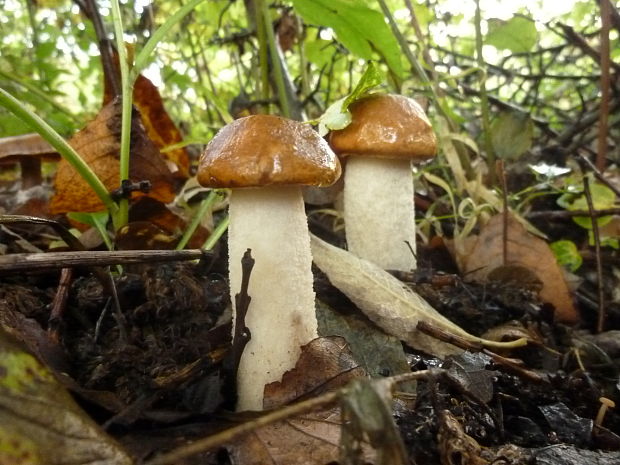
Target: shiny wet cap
{"points": [[386, 126], [262, 150]]}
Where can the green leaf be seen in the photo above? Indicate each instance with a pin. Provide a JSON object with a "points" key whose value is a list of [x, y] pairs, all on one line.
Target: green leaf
{"points": [[97, 220], [602, 198], [359, 28], [371, 78], [511, 135], [319, 52], [566, 254], [518, 34], [337, 116]]}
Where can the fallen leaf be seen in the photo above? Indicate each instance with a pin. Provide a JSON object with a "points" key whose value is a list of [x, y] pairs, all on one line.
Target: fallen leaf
{"points": [[385, 300], [159, 126], [312, 439], [39, 420], [484, 253], [367, 413], [455, 446], [325, 363], [469, 370], [378, 353], [99, 145]]}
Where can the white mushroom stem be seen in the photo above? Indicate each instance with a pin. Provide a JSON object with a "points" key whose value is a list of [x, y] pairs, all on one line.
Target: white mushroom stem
{"points": [[281, 317], [379, 211]]}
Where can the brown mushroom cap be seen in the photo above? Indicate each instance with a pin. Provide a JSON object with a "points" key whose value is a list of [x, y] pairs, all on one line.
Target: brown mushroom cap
{"points": [[386, 126], [262, 150]]}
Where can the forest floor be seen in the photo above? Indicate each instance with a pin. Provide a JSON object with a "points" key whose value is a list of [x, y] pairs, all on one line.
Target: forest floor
{"points": [[151, 364]]}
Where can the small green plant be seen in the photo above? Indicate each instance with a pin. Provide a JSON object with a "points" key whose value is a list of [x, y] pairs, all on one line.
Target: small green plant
{"points": [[117, 211], [602, 198]]}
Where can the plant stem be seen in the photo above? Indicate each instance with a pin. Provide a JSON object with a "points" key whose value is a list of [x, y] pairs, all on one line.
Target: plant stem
{"points": [[600, 321], [484, 100], [440, 103], [216, 234], [205, 204], [144, 56], [263, 54], [122, 217], [63, 148], [605, 62], [278, 72]]}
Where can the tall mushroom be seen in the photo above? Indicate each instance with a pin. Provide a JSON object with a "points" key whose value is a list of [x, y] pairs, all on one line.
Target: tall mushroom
{"points": [[265, 159], [386, 134]]}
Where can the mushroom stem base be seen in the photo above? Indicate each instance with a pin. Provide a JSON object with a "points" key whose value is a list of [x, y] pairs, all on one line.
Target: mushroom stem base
{"points": [[379, 211], [281, 317]]}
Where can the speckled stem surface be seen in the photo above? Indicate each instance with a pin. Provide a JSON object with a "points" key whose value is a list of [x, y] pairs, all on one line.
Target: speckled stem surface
{"points": [[379, 211], [281, 317]]}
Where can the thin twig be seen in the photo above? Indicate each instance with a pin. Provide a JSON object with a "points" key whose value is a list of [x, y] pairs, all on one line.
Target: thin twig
{"points": [[106, 49], [599, 175], [241, 334], [559, 214], [599, 262], [508, 364], [605, 61], [226, 436], [501, 174], [484, 100], [21, 262], [59, 304]]}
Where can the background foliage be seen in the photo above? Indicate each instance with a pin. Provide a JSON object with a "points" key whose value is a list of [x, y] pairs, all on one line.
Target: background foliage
{"points": [[520, 81]]}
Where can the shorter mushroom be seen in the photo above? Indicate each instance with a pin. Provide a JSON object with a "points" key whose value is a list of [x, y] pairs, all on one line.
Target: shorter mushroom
{"points": [[386, 134], [605, 404], [29, 150], [264, 160]]}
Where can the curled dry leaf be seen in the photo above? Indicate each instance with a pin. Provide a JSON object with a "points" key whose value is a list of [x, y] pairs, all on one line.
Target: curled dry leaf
{"points": [[99, 145], [325, 364], [455, 446], [312, 439], [386, 301], [484, 253], [159, 126], [40, 422]]}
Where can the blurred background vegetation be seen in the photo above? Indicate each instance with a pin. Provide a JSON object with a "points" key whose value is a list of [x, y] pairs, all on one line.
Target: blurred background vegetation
{"points": [[534, 61]]}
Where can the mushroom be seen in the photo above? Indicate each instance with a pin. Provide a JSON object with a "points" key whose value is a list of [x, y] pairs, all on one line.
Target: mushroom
{"points": [[386, 134], [29, 150], [265, 159], [605, 404]]}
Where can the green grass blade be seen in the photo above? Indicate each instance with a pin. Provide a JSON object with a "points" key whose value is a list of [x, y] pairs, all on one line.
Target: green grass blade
{"points": [[63, 148]]}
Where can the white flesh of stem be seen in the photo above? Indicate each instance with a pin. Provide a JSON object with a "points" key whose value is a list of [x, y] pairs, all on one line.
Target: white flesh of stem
{"points": [[281, 317], [379, 211]]}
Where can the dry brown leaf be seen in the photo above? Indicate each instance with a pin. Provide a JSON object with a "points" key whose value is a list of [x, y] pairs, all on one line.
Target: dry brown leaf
{"points": [[311, 439], [484, 253], [159, 126], [325, 363], [455, 446], [99, 144]]}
